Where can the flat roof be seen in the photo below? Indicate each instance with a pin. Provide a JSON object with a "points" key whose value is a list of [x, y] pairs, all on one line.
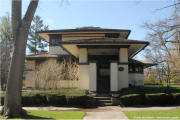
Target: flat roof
{"points": [[145, 64], [85, 30], [104, 41]]}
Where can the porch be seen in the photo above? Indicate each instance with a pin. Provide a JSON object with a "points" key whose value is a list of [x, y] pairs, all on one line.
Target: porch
{"points": [[103, 64]]}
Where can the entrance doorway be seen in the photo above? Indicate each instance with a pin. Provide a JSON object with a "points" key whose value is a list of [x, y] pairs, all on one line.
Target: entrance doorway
{"points": [[103, 71], [103, 76]]}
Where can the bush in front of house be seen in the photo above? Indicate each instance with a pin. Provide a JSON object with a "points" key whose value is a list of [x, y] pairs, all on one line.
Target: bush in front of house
{"points": [[62, 97], [132, 99], [176, 98], [159, 99], [55, 100], [149, 99], [79, 100], [153, 95]]}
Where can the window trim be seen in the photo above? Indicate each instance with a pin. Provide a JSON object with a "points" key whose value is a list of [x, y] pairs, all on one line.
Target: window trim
{"points": [[58, 38], [110, 35]]}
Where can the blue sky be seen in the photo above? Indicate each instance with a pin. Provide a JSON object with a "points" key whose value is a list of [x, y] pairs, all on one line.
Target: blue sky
{"points": [[121, 14]]}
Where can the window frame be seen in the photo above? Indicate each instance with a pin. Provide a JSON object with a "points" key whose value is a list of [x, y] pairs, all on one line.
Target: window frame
{"points": [[110, 35], [57, 40]]}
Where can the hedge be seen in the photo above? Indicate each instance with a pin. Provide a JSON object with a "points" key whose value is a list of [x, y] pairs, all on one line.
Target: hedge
{"points": [[55, 100], [150, 99], [132, 99]]}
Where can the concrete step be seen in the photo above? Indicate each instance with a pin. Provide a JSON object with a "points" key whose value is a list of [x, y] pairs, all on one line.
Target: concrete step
{"points": [[103, 98], [103, 101]]}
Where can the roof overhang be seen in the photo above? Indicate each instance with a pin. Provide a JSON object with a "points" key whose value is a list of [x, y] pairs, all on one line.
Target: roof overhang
{"points": [[45, 34], [134, 46], [145, 64]]}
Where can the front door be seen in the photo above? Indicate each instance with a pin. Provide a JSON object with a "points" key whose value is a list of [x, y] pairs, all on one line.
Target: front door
{"points": [[103, 76]]}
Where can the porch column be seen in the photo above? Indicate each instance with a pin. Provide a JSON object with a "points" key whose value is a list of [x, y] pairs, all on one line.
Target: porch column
{"points": [[123, 74], [83, 69], [114, 76], [93, 76], [83, 56]]}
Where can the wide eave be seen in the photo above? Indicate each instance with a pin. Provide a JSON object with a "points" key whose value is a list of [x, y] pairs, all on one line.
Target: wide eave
{"points": [[134, 46]]}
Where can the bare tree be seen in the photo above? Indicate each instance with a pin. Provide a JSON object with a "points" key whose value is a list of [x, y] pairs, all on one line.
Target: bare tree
{"points": [[5, 48], [165, 43], [20, 28]]}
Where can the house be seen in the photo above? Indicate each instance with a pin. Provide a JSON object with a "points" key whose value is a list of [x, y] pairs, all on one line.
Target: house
{"points": [[105, 56]]}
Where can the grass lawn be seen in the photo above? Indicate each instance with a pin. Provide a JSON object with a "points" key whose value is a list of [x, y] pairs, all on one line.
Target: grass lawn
{"points": [[37, 114], [154, 114]]}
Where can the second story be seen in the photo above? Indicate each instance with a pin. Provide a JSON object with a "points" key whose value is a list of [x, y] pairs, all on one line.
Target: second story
{"points": [[55, 37]]}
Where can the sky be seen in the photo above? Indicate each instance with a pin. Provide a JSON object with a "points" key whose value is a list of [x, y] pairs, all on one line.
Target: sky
{"points": [[120, 14]]}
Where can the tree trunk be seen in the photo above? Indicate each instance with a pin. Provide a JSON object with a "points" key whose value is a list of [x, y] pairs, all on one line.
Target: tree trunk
{"points": [[12, 104]]}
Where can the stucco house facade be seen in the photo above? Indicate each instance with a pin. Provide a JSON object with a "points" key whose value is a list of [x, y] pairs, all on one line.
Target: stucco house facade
{"points": [[105, 56]]}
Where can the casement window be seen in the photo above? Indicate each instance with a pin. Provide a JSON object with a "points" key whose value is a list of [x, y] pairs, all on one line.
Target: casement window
{"points": [[135, 68], [112, 35], [55, 40]]}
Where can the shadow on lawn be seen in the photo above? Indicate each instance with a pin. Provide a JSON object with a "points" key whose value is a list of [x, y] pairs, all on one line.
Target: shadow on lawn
{"points": [[34, 117]]}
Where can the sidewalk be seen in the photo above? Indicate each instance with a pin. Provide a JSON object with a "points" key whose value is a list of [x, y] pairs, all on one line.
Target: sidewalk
{"points": [[107, 112]]}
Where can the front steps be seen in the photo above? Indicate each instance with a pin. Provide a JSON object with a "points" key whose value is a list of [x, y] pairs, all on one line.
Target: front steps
{"points": [[103, 101]]}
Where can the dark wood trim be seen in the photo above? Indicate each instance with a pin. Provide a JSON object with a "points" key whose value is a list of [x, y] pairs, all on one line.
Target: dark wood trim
{"points": [[93, 61], [137, 72], [84, 30], [113, 61], [123, 63], [58, 36], [82, 36], [103, 46], [102, 42], [83, 63]]}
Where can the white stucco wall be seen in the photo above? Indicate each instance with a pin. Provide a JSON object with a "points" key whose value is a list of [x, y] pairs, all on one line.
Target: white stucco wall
{"points": [[136, 79], [123, 77], [114, 77], [84, 76], [93, 76], [57, 50]]}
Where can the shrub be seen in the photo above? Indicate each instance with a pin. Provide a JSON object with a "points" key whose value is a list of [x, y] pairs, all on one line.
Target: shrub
{"points": [[56, 100], [176, 98], [78, 100], [132, 99], [150, 99], [159, 99], [33, 100]]}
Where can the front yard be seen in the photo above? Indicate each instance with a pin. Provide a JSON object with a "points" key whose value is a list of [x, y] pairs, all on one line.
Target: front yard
{"points": [[154, 114], [37, 114]]}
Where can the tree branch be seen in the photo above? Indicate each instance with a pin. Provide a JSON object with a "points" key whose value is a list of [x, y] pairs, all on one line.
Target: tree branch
{"points": [[28, 17]]}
